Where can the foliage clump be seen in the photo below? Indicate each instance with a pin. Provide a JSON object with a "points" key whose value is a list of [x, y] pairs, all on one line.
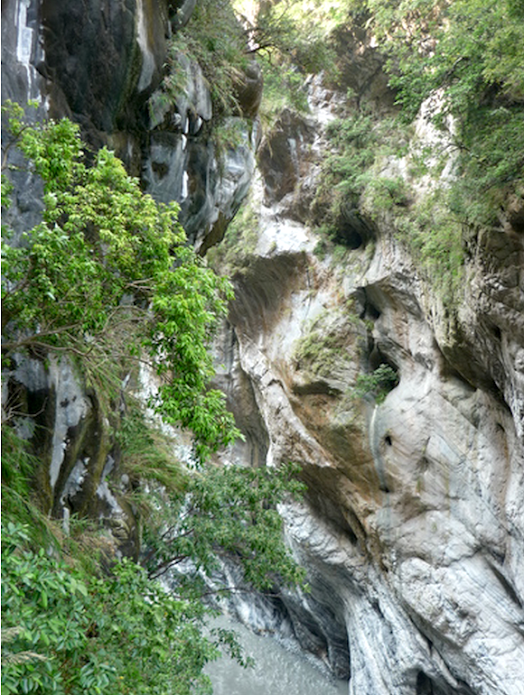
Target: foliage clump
{"points": [[291, 42], [377, 384], [216, 41], [225, 512], [473, 53], [345, 171], [107, 278], [69, 629], [70, 632], [107, 275]]}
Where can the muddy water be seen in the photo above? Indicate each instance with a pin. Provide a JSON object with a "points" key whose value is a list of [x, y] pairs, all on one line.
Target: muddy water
{"points": [[277, 671]]}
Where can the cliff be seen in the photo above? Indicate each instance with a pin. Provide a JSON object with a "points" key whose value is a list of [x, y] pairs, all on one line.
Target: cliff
{"points": [[401, 398], [105, 67]]}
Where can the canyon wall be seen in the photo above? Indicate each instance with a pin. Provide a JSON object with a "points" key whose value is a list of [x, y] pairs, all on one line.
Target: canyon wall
{"points": [[412, 530]]}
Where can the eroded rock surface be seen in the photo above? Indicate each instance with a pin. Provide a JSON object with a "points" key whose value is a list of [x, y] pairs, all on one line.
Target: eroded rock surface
{"points": [[102, 65], [68, 425], [413, 531]]}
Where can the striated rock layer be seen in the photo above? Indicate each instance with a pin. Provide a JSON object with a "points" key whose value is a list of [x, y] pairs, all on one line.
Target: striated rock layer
{"points": [[413, 531]]}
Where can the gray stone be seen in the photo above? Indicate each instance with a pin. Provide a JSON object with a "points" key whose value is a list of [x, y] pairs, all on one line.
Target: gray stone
{"points": [[413, 531], [183, 9]]}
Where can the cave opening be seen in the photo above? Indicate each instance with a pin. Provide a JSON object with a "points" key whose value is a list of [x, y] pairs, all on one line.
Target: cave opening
{"points": [[349, 237]]}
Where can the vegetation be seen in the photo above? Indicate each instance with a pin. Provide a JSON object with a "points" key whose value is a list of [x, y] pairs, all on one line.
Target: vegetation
{"points": [[224, 512], [346, 170], [473, 52], [285, 39], [216, 41], [465, 46], [470, 56], [19, 500], [71, 630], [106, 278], [291, 42], [377, 384], [325, 351], [147, 451]]}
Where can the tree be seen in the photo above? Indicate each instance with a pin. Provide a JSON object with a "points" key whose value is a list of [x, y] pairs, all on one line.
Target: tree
{"points": [[225, 512], [66, 631], [73, 629], [107, 275], [224, 36]]}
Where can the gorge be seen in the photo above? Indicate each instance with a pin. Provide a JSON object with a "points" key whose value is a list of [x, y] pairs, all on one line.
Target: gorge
{"points": [[375, 338]]}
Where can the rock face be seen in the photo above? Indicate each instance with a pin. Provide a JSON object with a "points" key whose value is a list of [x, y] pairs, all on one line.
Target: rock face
{"points": [[413, 531], [102, 64], [281, 157], [70, 429]]}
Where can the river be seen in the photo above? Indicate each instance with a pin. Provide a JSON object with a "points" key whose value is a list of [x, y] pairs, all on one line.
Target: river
{"points": [[277, 671]]}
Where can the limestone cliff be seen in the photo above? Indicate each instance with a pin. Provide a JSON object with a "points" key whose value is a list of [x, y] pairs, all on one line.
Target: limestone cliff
{"points": [[413, 527], [413, 530]]}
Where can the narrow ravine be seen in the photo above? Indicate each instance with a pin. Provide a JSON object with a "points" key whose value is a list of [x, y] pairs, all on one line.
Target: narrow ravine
{"points": [[362, 188]]}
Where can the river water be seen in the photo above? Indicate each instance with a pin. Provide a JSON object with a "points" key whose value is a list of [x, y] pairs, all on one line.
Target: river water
{"points": [[277, 671]]}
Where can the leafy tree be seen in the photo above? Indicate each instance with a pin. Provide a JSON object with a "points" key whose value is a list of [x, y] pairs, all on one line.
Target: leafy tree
{"points": [[229, 512], [43, 610], [154, 642], [107, 275], [67, 632], [287, 28], [290, 42], [71, 630], [465, 46]]}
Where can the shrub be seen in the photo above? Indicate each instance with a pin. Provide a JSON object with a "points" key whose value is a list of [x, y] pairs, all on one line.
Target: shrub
{"points": [[377, 384], [107, 275]]}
